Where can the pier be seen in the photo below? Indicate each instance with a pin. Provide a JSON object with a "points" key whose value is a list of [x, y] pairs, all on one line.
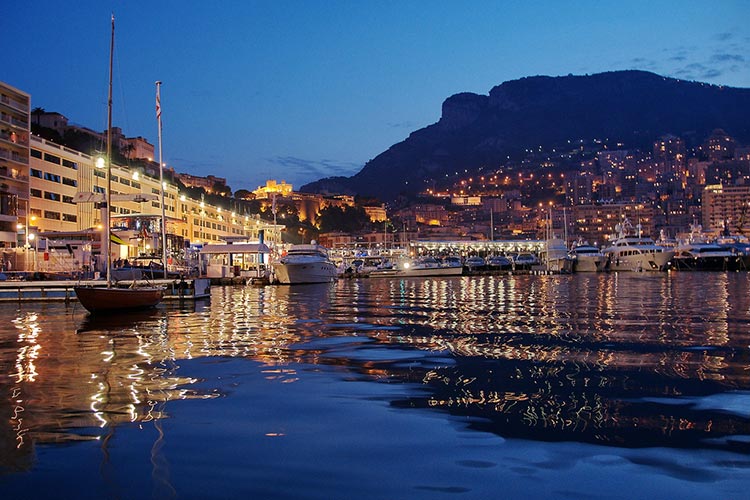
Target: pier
{"points": [[41, 291]]}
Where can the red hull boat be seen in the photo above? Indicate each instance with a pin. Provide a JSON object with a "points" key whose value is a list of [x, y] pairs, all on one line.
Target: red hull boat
{"points": [[99, 299]]}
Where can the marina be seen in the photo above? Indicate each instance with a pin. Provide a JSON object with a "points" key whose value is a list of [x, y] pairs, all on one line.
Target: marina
{"points": [[537, 385], [391, 251]]}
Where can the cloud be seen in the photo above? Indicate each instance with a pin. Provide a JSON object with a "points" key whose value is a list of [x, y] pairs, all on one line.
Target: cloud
{"points": [[643, 63], [727, 57], [315, 169], [697, 71], [712, 73], [720, 55]]}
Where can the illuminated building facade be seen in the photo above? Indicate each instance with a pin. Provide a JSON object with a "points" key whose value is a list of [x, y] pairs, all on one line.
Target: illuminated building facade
{"points": [[726, 206], [596, 223], [209, 183], [14, 163], [273, 188]]}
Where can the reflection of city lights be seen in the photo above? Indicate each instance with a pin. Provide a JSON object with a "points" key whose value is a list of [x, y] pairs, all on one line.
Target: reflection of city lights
{"points": [[566, 340], [28, 352]]}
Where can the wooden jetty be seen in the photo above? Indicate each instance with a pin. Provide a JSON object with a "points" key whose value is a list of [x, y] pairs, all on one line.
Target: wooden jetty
{"points": [[41, 291]]}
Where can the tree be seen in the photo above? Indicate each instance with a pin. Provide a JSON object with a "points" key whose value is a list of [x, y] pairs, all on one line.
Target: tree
{"points": [[37, 113], [244, 194], [347, 219]]}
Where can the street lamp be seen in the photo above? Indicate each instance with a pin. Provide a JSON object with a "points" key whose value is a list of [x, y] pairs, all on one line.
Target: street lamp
{"points": [[32, 237]]}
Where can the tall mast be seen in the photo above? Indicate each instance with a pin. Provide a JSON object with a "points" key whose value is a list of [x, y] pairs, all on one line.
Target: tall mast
{"points": [[492, 226], [107, 228], [161, 184]]}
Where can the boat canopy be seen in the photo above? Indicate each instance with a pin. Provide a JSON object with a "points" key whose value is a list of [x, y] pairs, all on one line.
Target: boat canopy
{"points": [[235, 248]]}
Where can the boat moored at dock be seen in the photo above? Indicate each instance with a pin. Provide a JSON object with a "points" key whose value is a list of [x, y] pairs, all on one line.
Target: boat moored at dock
{"points": [[705, 257], [635, 252], [304, 264], [587, 258]]}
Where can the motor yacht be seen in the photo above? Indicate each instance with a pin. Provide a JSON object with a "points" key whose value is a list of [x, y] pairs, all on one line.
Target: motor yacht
{"points": [[475, 263], [700, 256], [305, 264], [636, 253], [587, 258], [427, 266]]}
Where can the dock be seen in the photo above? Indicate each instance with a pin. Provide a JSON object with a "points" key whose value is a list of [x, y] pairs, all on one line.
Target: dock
{"points": [[49, 291]]}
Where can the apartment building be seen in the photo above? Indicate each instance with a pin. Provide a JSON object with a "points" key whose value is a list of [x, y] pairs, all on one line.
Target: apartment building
{"points": [[40, 182], [726, 206], [57, 173], [595, 223], [14, 163]]}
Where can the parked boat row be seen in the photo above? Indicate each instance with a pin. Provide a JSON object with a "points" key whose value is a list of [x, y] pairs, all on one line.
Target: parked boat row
{"points": [[626, 253]]}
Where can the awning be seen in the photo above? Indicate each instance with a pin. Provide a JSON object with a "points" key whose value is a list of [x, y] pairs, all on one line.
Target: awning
{"points": [[235, 248], [116, 239]]}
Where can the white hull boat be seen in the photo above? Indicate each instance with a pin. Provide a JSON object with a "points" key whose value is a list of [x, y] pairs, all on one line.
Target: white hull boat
{"points": [[587, 259], [305, 264]]}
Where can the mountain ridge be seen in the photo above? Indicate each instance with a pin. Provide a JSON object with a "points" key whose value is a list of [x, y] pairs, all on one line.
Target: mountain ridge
{"points": [[474, 130]]}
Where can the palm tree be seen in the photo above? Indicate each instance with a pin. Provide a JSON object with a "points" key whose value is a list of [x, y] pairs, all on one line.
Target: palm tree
{"points": [[37, 112], [128, 150]]}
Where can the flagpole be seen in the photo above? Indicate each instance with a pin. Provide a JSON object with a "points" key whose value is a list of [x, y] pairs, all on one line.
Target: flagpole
{"points": [[108, 202], [161, 184]]}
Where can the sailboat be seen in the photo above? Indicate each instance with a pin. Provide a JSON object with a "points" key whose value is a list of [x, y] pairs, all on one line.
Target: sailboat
{"points": [[97, 299]]}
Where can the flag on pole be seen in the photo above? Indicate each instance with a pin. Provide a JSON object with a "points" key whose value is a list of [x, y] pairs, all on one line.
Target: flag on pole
{"points": [[158, 104]]}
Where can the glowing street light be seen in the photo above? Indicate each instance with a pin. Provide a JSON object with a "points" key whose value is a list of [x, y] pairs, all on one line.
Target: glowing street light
{"points": [[32, 237]]}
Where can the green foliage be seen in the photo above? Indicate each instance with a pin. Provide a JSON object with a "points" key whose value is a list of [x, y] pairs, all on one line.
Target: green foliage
{"points": [[346, 219]]}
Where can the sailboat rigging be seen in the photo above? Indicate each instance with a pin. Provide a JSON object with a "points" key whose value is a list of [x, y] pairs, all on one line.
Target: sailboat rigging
{"points": [[112, 299]]}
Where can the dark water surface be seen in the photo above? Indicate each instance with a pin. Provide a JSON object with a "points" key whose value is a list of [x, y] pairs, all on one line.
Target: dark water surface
{"points": [[582, 386]]}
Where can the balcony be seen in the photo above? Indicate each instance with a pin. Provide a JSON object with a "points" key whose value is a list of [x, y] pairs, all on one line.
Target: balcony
{"points": [[20, 106], [14, 137], [5, 117], [11, 173], [13, 156]]}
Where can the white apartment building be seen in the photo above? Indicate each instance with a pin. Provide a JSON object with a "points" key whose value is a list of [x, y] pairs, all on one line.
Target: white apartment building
{"points": [[726, 205], [39, 182], [14, 162]]}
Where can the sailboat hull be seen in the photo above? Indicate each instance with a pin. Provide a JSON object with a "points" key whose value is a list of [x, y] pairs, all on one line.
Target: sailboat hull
{"points": [[100, 299]]}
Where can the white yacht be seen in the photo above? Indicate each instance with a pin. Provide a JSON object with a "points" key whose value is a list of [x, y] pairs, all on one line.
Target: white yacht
{"points": [[421, 267], [636, 253], [696, 252], [587, 259], [702, 256], [555, 256], [429, 266], [305, 264], [525, 261]]}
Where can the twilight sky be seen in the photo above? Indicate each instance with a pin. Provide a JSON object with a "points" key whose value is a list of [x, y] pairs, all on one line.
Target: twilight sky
{"points": [[299, 90]]}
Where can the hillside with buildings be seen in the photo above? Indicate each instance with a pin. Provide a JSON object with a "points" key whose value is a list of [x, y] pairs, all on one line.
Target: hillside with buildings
{"points": [[479, 134]]}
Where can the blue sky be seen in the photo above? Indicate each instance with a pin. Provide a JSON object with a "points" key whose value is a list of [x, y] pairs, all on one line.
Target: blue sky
{"points": [[299, 90]]}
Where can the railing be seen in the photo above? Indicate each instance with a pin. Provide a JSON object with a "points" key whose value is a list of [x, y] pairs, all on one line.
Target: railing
{"points": [[12, 174], [13, 103], [21, 139]]}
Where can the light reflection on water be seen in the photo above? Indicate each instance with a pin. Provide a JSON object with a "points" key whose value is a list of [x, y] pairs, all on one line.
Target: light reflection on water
{"points": [[622, 360]]}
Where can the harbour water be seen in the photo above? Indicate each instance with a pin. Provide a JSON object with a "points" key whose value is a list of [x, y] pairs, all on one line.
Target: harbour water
{"points": [[629, 385]]}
